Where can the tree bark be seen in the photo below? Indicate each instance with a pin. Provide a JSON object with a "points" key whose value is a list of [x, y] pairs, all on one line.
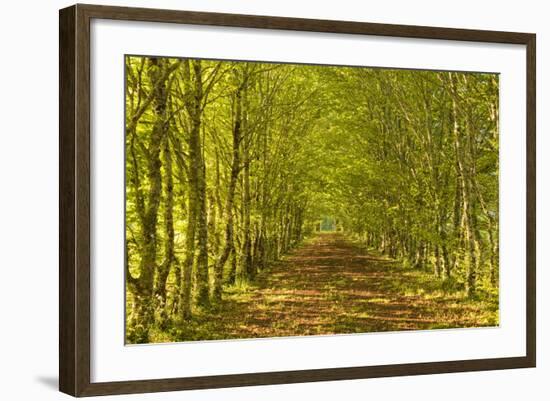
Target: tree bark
{"points": [[143, 297], [199, 170], [465, 188], [169, 255], [235, 169]]}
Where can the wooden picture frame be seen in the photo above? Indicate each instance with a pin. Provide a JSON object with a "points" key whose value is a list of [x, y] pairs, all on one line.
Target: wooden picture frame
{"points": [[74, 200]]}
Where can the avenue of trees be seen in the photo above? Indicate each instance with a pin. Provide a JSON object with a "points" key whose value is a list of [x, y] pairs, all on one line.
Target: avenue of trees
{"points": [[231, 164]]}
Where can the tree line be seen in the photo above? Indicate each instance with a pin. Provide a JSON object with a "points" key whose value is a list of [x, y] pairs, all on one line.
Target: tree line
{"points": [[416, 161], [213, 185], [231, 164]]}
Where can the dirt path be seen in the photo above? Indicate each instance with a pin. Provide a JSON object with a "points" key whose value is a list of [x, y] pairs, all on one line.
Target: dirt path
{"points": [[330, 285]]}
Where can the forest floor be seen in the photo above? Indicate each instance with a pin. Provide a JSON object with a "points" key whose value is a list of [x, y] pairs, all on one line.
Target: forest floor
{"points": [[331, 285]]}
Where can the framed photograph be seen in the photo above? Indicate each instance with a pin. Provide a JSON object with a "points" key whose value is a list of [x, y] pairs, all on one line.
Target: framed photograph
{"points": [[250, 200]]}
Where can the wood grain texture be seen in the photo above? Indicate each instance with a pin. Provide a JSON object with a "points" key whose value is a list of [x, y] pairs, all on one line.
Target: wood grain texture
{"points": [[67, 293], [301, 376], [301, 24], [531, 201], [74, 199]]}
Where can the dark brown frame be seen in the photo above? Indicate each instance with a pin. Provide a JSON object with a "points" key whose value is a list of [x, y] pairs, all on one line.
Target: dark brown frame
{"points": [[74, 200]]}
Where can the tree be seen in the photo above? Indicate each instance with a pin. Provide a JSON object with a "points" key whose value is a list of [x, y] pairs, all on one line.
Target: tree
{"points": [[230, 165]]}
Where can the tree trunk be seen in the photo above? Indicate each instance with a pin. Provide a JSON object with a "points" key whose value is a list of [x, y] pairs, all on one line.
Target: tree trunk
{"points": [[245, 268], [169, 256], [235, 169], [198, 165], [465, 189], [143, 297]]}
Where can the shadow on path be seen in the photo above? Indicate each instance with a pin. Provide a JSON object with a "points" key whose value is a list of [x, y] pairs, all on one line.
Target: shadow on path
{"points": [[329, 285]]}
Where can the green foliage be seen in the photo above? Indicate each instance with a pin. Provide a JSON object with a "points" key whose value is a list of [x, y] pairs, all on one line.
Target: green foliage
{"points": [[230, 165]]}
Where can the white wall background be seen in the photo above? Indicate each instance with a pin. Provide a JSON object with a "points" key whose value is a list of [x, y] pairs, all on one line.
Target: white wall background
{"points": [[28, 198]]}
